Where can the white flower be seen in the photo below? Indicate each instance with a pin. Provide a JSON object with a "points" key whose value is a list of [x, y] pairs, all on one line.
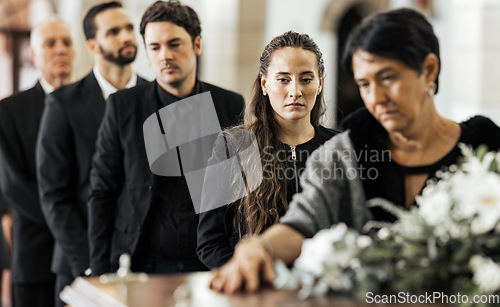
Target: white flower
{"points": [[435, 208], [461, 185], [484, 198], [476, 166], [314, 252], [317, 250], [364, 242], [475, 262], [341, 258], [477, 195], [486, 274], [488, 159], [450, 228], [383, 233], [336, 232]]}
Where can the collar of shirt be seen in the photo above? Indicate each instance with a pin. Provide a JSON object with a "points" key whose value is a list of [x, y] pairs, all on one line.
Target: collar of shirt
{"points": [[106, 87], [166, 98], [47, 87]]}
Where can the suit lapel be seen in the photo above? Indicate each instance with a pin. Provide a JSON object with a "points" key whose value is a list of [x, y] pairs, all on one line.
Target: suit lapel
{"points": [[94, 101], [33, 106], [151, 101], [141, 80], [38, 97]]}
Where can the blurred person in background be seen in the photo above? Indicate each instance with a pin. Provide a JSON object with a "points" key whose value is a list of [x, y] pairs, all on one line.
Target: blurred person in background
{"points": [[52, 52], [67, 134]]}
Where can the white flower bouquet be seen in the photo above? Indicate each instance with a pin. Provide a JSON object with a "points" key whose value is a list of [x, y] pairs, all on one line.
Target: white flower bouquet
{"points": [[450, 243]]}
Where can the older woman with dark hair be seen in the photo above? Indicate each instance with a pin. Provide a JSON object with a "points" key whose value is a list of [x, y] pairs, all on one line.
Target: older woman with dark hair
{"points": [[389, 150]]}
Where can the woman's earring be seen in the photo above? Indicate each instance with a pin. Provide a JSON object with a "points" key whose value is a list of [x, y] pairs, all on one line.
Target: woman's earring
{"points": [[264, 93], [432, 89]]}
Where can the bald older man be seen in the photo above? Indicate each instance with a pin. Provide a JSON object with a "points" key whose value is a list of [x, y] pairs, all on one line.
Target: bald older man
{"points": [[52, 53]]}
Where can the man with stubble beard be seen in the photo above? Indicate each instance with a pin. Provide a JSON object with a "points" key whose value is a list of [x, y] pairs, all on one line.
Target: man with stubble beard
{"points": [[68, 130], [131, 210]]}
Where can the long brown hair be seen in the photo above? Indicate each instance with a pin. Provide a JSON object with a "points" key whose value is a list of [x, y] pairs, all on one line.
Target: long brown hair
{"points": [[254, 210]]}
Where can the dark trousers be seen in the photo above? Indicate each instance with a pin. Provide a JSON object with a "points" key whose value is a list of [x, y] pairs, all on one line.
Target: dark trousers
{"points": [[61, 282], [33, 294]]}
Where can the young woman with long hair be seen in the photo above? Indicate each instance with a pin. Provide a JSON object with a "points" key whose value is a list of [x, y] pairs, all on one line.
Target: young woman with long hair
{"points": [[283, 118]]}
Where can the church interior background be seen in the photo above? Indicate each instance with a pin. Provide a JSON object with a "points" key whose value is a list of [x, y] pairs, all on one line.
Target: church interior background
{"points": [[234, 33]]}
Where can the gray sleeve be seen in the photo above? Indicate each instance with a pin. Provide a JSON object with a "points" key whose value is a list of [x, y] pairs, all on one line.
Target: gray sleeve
{"points": [[332, 190]]}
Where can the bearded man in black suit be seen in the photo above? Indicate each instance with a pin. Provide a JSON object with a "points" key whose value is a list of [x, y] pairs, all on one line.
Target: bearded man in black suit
{"points": [[131, 210], [68, 131], [51, 49]]}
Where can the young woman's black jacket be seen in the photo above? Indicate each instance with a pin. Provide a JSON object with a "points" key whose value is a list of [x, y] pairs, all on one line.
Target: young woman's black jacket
{"points": [[217, 231]]}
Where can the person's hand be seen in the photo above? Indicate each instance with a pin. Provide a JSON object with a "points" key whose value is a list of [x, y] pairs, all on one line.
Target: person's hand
{"points": [[250, 264]]}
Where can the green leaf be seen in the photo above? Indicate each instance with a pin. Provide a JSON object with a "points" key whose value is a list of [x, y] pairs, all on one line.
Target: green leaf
{"points": [[481, 150]]}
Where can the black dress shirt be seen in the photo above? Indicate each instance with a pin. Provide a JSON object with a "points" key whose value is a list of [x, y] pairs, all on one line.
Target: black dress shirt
{"points": [[168, 232]]}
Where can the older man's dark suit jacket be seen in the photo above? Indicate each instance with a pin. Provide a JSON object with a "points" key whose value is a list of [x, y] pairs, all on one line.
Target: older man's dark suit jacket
{"points": [[122, 183], [66, 143], [33, 243]]}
